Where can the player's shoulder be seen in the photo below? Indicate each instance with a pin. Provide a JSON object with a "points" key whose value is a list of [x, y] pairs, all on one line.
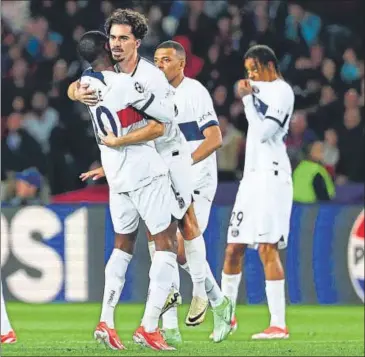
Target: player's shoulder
{"points": [[194, 88], [145, 65]]}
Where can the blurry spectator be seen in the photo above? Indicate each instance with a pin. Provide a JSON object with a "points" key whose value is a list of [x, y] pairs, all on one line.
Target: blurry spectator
{"points": [[351, 99], [27, 188], [299, 136], [198, 27], [229, 155], [18, 105], [302, 24], [329, 73], [220, 100], [328, 112], [351, 145], [19, 84], [211, 73], [331, 154], [41, 120], [19, 150], [194, 64], [311, 181], [58, 88], [350, 70]]}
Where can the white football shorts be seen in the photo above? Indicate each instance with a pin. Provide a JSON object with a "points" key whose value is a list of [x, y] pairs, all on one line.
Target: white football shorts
{"points": [[203, 199], [261, 213], [178, 162], [152, 203]]}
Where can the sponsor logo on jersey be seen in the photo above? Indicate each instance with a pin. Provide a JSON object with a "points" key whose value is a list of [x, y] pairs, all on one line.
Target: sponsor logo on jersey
{"points": [[355, 254]]}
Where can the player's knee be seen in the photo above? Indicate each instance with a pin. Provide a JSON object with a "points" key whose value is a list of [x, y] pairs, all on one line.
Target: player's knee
{"points": [[125, 242], [268, 252], [166, 240], [189, 227], [234, 253]]}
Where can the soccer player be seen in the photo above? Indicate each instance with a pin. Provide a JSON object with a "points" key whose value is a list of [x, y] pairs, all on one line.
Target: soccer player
{"points": [[139, 183], [7, 333], [261, 213], [198, 121], [126, 29]]}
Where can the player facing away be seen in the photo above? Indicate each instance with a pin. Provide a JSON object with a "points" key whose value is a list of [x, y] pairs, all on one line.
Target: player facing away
{"points": [[139, 184], [261, 213], [7, 333], [126, 29]]}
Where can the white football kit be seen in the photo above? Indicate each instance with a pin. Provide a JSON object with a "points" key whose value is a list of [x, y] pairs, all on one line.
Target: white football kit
{"points": [[262, 209], [172, 145], [195, 113], [136, 174]]}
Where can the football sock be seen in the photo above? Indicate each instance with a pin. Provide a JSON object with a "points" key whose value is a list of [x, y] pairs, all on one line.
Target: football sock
{"points": [[275, 293], [162, 273], [115, 271], [230, 285], [196, 258], [5, 323]]}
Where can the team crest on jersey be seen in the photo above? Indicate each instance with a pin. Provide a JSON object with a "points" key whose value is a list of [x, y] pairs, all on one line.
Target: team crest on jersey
{"points": [[355, 255], [138, 87], [181, 202], [235, 232], [255, 90]]}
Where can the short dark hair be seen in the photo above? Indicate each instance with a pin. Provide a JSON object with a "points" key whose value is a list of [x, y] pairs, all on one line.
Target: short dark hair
{"points": [[175, 45], [92, 46], [136, 20], [263, 54]]}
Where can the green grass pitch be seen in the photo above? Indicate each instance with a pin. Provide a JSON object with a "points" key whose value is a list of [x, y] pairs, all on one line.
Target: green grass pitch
{"points": [[66, 330]]}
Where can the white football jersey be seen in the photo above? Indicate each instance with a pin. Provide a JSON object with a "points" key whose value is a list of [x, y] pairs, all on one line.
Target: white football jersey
{"points": [[153, 80], [195, 112], [269, 101], [122, 109]]}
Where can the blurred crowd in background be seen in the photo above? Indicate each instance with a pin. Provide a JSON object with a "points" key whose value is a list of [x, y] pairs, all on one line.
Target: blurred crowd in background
{"points": [[47, 140]]}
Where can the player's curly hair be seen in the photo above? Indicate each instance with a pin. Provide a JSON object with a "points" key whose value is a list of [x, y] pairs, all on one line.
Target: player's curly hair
{"points": [[263, 54], [136, 20]]}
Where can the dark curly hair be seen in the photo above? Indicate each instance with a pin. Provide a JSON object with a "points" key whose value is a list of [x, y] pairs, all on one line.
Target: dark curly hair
{"points": [[134, 19]]}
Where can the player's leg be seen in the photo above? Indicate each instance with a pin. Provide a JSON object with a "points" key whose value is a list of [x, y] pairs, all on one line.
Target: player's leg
{"points": [[170, 326], [238, 236], [278, 209], [163, 267], [7, 333], [125, 221], [275, 292]]}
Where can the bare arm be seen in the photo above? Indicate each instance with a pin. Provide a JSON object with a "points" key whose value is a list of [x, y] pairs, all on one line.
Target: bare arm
{"points": [[212, 142], [151, 131]]}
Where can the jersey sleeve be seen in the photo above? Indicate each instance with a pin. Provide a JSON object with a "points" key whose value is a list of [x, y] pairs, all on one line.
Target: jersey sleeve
{"points": [[205, 114], [279, 103], [146, 101]]}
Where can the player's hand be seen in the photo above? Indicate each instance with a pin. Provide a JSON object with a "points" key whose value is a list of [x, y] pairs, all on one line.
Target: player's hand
{"points": [[243, 88], [86, 95], [95, 174], [109, 140]]}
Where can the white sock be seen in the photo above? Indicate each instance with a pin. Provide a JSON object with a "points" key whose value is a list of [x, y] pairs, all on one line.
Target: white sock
{"points": [[230, 285], [151, 248], [196, 258], [169, 318], [215, 294], [275, 293], [5, 323], [115, 271], [161, 277]]}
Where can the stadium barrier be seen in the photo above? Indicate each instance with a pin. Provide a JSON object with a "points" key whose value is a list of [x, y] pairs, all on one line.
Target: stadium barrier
{"points": [[57, 253]]}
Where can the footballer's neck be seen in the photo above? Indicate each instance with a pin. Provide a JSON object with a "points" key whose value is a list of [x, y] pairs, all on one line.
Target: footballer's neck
{"points": [[175, 82], [128, 65]]}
